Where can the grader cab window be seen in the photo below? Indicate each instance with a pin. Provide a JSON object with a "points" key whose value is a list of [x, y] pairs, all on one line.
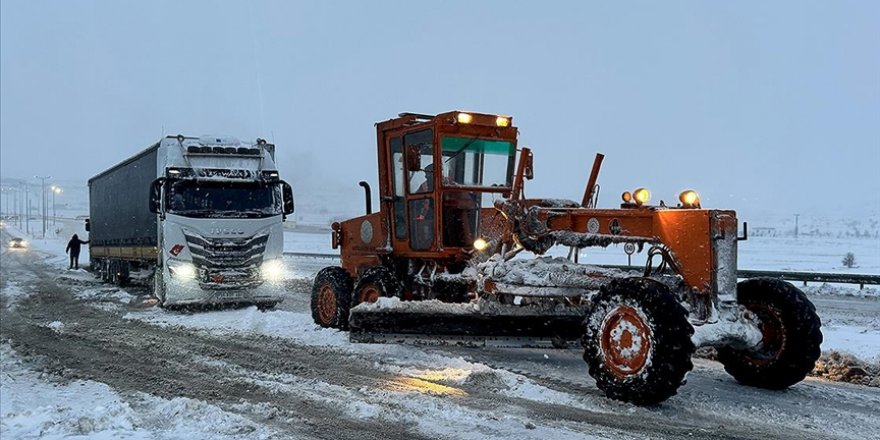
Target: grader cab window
{"points": [[471, 162], [419, 161], [420, 143], [399, 182], [477, 162]]}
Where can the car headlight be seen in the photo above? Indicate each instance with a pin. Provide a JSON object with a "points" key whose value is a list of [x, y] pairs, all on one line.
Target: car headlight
{"points": [[273, 270], [182, 269]]}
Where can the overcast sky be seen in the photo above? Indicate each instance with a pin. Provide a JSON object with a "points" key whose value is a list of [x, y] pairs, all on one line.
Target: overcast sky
{"points": [[771, 106]]}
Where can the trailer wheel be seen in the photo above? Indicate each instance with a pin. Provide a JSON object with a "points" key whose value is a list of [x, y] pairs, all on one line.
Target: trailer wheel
{"points": [[375, 283], [331, 297], [266, 306], [638, 341], [792, 336]]}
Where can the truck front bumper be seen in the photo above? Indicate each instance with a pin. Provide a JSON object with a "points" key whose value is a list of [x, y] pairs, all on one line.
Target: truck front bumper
{"points": [[188, 292]]}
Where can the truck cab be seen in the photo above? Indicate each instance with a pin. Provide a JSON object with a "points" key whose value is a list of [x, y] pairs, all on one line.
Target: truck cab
{"points": [[219, 205]]}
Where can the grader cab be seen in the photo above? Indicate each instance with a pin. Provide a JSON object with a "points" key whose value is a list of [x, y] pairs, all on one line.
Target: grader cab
{"points": [[444, 258]]}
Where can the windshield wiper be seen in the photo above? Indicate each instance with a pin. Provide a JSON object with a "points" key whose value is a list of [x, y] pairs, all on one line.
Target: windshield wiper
{"points": [[461, 150]]}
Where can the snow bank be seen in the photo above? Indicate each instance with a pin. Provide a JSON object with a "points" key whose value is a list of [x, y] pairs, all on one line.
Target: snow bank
{"points": [[838, 289], [862, 342], [34, 408], [282, 324]]}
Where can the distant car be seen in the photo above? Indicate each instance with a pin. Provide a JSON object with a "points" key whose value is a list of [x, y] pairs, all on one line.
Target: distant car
{"points": [[18, 243]]}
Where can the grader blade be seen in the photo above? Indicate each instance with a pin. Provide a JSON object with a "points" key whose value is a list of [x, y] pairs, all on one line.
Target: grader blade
{"points": [[462, 324]]}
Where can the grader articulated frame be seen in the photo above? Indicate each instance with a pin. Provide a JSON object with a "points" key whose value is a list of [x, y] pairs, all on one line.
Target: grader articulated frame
{"points": [[442, 259]]}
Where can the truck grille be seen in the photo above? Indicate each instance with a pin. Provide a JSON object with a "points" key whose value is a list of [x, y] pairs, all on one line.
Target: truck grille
{"points": [[226, 263]]}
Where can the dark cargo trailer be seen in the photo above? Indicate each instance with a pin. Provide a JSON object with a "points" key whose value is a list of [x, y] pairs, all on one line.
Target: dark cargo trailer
{"points": [[120, 221]]}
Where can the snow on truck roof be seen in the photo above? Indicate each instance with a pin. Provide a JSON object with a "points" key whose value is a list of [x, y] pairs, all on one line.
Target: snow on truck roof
{"points": [[187, 141]]}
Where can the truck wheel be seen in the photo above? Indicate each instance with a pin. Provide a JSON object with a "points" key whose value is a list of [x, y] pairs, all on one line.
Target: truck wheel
{"points": [[105, 271], [119, 273], [792, 336], [638, 341], [376, 282], [331, 297], [159, 286]]}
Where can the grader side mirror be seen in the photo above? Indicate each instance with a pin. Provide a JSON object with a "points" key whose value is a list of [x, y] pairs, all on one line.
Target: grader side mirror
{"points": [[413, 157]]}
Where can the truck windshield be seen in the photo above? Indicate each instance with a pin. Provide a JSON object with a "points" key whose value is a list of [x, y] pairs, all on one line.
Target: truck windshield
{"points": [[219, 200], [477, 162]]}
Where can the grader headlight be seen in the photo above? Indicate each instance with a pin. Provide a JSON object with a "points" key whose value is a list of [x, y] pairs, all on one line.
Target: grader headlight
{"points": [[689, 199], [642, 196], [480, 244], [464, 118], [627, 197], [502, 121]]}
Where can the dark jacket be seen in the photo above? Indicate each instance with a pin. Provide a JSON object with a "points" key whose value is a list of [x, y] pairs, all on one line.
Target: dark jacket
{"points": [[74, 244]]}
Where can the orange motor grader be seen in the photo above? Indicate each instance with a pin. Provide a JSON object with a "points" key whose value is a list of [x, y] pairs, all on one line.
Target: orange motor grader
{"points": [[444, 258]]}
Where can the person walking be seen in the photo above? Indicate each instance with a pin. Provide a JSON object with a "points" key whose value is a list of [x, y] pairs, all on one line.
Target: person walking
{"points": [[73, 247]]}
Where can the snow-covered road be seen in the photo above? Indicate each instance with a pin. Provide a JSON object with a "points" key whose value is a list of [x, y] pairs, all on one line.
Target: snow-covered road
{"points": [[79, 359]]}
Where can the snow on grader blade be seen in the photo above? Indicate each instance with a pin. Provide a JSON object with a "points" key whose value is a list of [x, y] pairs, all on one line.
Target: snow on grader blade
{"points": [[443, 259]]}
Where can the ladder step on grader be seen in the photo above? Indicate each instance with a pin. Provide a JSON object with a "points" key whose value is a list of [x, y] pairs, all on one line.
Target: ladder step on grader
{"points": [[445, 259]]}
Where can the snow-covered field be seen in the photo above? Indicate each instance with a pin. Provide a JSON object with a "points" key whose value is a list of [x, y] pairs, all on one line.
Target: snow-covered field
{"points": [[427, 388]]}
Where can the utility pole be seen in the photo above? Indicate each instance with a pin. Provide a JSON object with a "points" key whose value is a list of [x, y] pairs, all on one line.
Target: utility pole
{"points": [[27, 206], [44, 201], [796, 226]]}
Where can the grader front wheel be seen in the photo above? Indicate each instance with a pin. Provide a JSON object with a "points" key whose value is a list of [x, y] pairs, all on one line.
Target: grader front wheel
{"points": [[791, 341], [638, 341], [331, 297]]}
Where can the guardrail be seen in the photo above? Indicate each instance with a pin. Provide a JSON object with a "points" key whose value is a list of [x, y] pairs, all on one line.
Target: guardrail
{"points": [[804, 277]]}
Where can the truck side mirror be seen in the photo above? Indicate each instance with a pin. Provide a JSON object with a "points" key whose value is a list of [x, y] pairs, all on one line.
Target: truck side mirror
{"points": [[287, 197], [88, 226], [156, 195], [413, 157]]}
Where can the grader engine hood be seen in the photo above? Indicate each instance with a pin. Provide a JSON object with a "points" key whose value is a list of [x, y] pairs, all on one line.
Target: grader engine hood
{"points": [[700, 244]]}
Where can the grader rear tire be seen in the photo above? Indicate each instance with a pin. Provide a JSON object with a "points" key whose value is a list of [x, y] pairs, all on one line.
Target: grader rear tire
{"points": [[638, 341], [331, 298], [375, 283], [792, 336]]}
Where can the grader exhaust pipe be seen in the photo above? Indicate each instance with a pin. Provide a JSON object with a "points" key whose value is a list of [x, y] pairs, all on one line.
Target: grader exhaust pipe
{"points": [[368, 196], [589, 192]]}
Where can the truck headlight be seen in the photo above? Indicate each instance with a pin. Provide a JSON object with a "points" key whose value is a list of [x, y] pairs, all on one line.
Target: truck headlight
{"points": [[273, 270], [182, 269]]}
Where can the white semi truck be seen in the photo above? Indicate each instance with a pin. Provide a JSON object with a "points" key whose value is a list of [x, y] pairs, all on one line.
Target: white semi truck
{"points": [[201, 215]]}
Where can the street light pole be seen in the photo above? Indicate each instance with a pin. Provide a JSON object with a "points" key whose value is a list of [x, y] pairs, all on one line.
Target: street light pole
{"points": [[55, 190], [44, 201]]}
